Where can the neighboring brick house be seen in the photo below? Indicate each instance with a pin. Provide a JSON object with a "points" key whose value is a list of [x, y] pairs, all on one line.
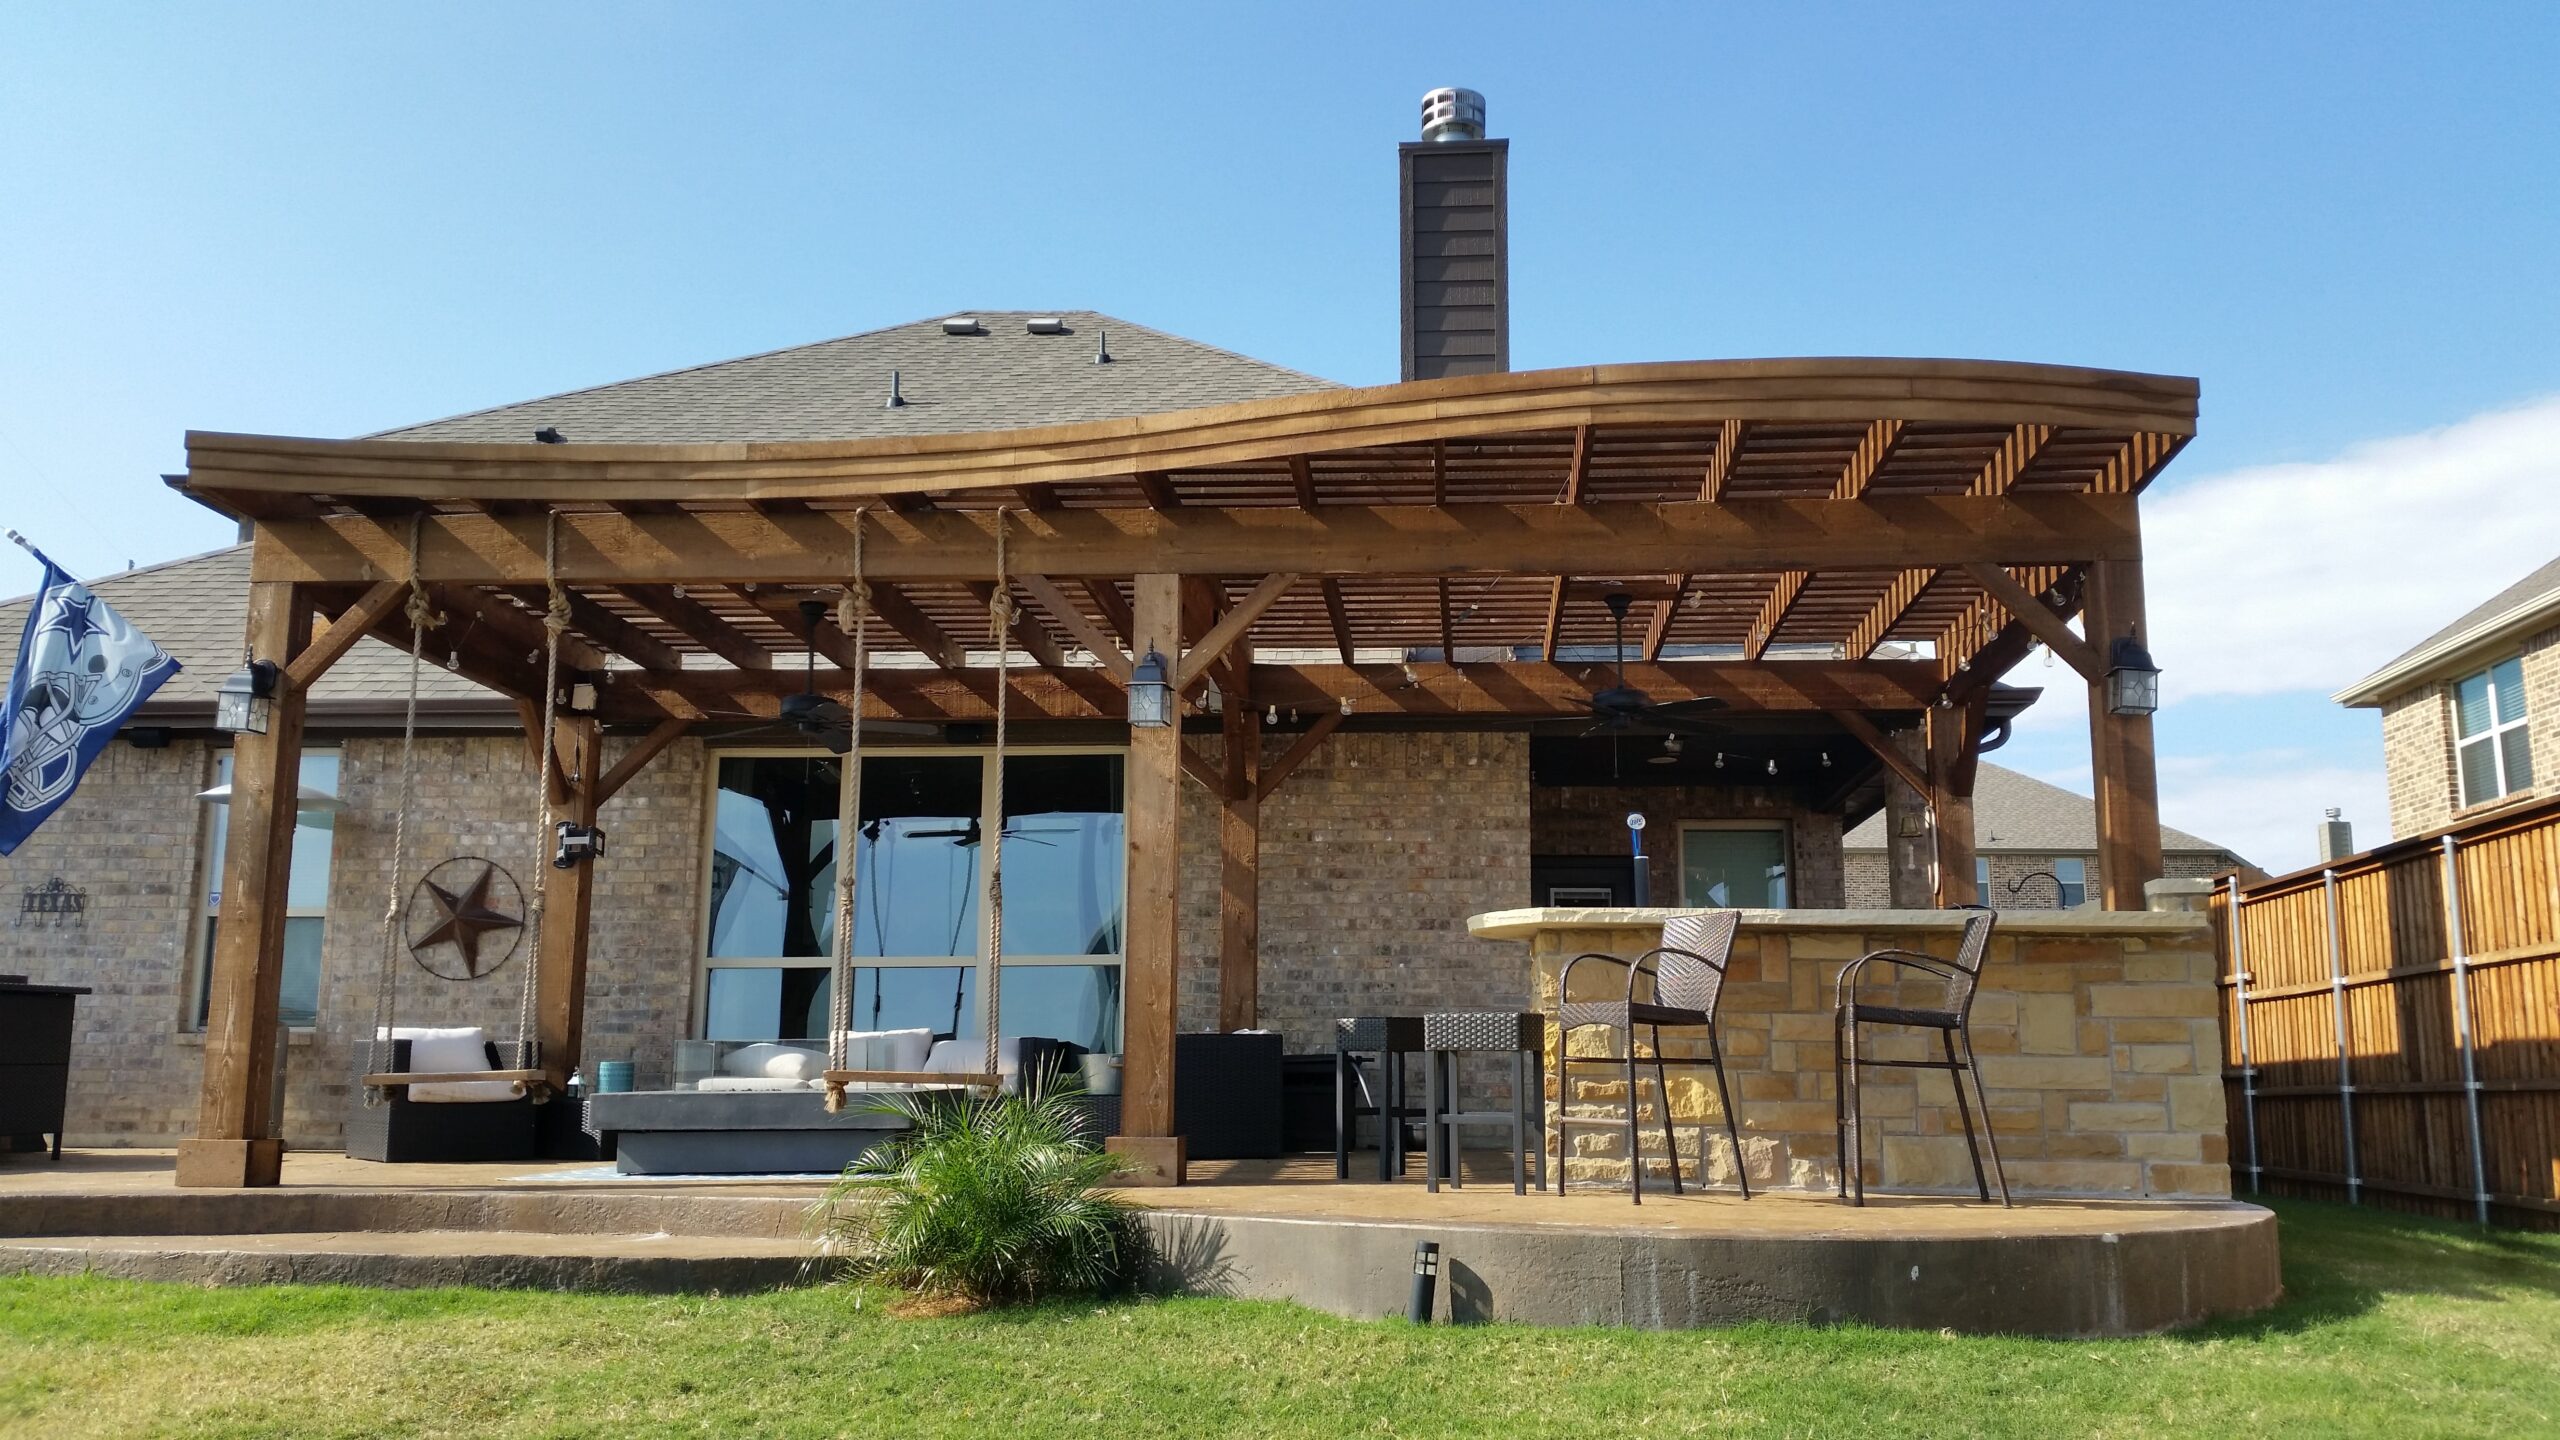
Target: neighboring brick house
{"points": [[2036, 848], [2471, 714]]}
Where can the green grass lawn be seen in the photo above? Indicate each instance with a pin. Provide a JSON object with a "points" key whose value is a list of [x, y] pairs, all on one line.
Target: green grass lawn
{"points": [[2391, 1326]]}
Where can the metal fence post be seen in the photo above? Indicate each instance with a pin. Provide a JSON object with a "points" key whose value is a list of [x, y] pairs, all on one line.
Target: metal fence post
{"points": [[2240, 1019], [2338, 1010], [2459, 951]]}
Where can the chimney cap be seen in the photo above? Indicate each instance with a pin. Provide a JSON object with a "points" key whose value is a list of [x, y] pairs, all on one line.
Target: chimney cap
{"points": [[1452, 113]]}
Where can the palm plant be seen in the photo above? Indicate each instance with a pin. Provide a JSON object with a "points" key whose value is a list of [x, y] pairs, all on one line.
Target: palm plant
{"points": [[983, 1200]]}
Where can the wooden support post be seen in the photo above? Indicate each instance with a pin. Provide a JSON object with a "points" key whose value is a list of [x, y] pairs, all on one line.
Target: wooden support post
{"points": [[1240, 867], [1151, 952], [1954, 736], [1911, 845], [2120, 753], [235, 1144], [560, 995]]}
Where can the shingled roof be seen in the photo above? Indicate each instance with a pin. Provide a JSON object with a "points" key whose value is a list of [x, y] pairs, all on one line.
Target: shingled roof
{"points": [[2529, 605], [998, 376], [2019, 813], [198, 608]]}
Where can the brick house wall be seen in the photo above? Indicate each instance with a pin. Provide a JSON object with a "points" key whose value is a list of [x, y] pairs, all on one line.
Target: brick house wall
{"points": [[1870, 885], [2418, 752]]}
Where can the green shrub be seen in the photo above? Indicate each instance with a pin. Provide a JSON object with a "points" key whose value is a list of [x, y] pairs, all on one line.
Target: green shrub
{"points": [[982, 1200]]}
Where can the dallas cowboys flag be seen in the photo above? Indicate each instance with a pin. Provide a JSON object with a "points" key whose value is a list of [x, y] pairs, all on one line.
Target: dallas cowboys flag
{"points": [[81, 670]]}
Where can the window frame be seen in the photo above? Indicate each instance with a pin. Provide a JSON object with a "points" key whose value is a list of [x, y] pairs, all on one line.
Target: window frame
{"points": [[2493, 736], [705, 962], [214, 848], [1786, 854], [1982, 881], [2065, 885]]}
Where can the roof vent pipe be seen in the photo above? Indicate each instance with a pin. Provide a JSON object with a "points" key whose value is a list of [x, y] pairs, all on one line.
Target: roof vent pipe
{"points": [[895, 399], [1452, 113]]}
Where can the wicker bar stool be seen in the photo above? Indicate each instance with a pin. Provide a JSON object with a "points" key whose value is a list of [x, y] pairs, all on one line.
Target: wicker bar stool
{"points": [[1522, 1035], [1390, 1038], [1949, 1017], [1688, 983]]}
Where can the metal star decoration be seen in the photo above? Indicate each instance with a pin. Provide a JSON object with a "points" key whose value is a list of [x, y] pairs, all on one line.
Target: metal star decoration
{"points": [[464, 915]]}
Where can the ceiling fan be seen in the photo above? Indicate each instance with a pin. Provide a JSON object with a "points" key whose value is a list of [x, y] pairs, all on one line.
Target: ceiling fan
{"points": [[1620, 707], [813, 716]]}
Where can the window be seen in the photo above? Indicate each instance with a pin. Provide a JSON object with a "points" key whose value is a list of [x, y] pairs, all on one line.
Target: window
{"points": [[2496, 755], [1982, 880], [306, 889], [1730, 866], [2073, 873], [922, 883]]}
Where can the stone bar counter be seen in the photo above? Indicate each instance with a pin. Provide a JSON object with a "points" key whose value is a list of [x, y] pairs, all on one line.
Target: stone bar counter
{"points": [[2097, 1034]]}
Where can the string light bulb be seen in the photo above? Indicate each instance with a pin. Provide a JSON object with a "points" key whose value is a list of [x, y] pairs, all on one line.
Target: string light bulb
{"points": [[1773, 765]]}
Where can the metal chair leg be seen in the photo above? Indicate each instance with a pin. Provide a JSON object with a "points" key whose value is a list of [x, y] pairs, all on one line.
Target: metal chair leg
{"points": [[1670, 1140], [1635, 1143], [1453, 1151], [1964, 1115], [1990, 1137], [1857, 1122], [1840, 1096], [1519, 1131], [1724, 1094], [1538, 1108], [1393, 1084], [1431, 1137], [1342, 1116]]}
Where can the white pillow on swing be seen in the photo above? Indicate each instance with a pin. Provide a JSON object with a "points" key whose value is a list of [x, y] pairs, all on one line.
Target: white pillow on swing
{"points": [[902, 1051], [452, 1049], [765, 1060]]}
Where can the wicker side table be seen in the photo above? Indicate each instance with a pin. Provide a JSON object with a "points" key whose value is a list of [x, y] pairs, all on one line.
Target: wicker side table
{"points": [[1522, 1035], [1390, 1038]]}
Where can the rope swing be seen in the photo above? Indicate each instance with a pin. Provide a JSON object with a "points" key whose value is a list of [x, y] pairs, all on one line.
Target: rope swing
{"points": [[853, 609], [422, 617]]}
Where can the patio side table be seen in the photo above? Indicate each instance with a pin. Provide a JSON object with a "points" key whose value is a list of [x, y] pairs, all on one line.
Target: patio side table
{"points": [[1390, 1038], [1522, 1035]]}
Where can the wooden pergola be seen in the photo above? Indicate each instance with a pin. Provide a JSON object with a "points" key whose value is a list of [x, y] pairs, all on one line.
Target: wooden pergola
{"points": [[1868, 544]]}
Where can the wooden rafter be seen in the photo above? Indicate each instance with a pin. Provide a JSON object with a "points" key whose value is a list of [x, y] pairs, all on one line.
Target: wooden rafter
{"points": [[1106, 598], [352, 624], [698, 621], [1027, 632], [2135, 464], [1302, 479], [1865, 732], [636, 759], [1601, 538], [514, 625], [595, 621], [1979, 631], [1210, 648], [1104, 645], [1338, 615], [1729, 437], [2029, 609], [1157, 487], [2015, 454], [1439, 472], [1277, 773], [1448, 625], [1555, 619], [474, 657], [1882, 439], [824, 638], [917, 628], [1774, 610], [1658, 629], [1577, 476], [1896, 602], [1200, 768], [1036, 497]]}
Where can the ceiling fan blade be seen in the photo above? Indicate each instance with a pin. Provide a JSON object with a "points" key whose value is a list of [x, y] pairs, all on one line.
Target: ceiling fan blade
{"points": [[1700, 705]]}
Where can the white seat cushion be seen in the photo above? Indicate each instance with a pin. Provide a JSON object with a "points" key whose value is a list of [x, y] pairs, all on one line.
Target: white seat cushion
{"points": [[900, 1050], [769, 1061], [750, 1082], [450, 1049]]}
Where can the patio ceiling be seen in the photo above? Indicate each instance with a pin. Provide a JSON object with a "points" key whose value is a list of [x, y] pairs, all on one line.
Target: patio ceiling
{"points": [[1794, 535]]}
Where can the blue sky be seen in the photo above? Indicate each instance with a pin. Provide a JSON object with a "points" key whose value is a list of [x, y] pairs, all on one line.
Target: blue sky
{"points": [[327, 221]]}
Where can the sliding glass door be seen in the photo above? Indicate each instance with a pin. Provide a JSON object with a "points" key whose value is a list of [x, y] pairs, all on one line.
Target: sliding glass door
{"points": [[920, 853]]}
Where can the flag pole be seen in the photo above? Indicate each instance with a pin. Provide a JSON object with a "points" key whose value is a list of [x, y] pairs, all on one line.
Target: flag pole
{"points": [[42, 558]]}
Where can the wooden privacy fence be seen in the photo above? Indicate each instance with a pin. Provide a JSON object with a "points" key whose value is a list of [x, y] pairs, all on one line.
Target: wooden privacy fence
{"points": [[2391, 1023]]}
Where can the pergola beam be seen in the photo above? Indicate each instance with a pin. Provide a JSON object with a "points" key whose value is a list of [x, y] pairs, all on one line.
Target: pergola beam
{"points": [[1774, 610], [1338, 615], [2030, 610], [1883, 438], [1729, 437], [2015, 454], [1898, 598], [695, 619], [1222, 636], [351, 625], [1104, 645], [1601, 538], [916, 627], [1577, 475]]}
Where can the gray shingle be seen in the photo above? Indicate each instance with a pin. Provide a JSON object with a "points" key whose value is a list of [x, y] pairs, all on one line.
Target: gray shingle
{"points": [[2532, 587], [1002, 378], [2015, 812]]}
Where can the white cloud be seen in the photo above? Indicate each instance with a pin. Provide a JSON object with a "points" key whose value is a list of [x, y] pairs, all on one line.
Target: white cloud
{"points": [[2309, 577], [2265, 804]]}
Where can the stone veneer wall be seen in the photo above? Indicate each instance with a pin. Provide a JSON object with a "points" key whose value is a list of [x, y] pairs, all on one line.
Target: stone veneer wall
{"points": [[1374, 854], [135, 838], [2100, 1046], [1592, 820], [2418, 741]]}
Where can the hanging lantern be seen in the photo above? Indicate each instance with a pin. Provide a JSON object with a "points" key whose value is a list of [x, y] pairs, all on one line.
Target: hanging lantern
{"points": [[1150, 694], [2133, 681], [246, 703]]}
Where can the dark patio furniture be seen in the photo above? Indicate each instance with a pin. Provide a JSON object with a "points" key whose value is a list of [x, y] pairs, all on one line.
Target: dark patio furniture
{"points": [[1391, 1038], [1687, 970], [1307, 1108], [1948, 1013], [1449, 1034], [403, 1131], [1226, 1095], [35, 1061]]}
